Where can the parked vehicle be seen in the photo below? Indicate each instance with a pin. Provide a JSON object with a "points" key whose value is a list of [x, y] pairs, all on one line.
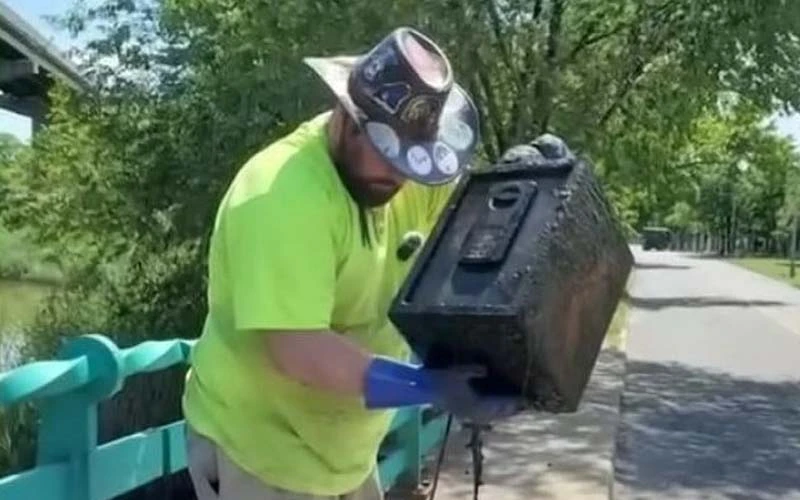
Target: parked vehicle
{"points": [[657, 238]]}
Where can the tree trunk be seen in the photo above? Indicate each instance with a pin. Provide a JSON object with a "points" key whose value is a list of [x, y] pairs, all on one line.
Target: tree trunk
{"points": [[793, 246]]}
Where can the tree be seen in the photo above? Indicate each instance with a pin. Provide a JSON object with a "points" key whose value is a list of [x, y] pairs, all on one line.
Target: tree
{"points": [[187, 90], [793, 245], [123, 183], [790, 214], [682, 220]]}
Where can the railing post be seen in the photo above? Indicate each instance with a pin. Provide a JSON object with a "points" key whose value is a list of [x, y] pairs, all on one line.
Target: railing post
{"points": [[409, 436], [68, 429]]}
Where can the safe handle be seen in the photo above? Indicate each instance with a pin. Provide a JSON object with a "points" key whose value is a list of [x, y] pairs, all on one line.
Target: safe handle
{"points": [[494, 230]]}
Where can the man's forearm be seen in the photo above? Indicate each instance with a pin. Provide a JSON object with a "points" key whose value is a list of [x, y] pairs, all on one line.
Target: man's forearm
{"points": [[331, 362], [320, 359]]}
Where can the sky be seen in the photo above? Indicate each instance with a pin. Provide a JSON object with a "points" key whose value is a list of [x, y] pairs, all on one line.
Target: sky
{"points": [[34, 10]]}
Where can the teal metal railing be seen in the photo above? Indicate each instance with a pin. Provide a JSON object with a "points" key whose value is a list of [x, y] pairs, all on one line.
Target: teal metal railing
{"points": [[70, 465]]}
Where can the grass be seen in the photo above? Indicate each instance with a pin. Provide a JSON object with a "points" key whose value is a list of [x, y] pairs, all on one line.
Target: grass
{"points": [[19, 303], [615, 338], [772, 267], [20, 260]]}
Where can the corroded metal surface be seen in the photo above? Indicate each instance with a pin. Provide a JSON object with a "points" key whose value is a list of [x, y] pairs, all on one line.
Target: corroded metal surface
{"points": [[523, 273]]}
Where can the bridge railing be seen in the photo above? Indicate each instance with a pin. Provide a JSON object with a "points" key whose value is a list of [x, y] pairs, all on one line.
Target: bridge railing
{"points": [[70, 465]]}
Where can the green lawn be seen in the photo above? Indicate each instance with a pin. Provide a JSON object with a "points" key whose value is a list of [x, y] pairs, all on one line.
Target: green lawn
{"points": [[22, 261], [615, 337], [772, 267]]}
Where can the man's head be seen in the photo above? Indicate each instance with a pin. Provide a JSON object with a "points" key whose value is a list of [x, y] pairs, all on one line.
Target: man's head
{"points": [[371, 180], [400, 117]]}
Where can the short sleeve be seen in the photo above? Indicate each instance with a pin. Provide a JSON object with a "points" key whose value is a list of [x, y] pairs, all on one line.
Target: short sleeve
{"points": [[281, 262]]}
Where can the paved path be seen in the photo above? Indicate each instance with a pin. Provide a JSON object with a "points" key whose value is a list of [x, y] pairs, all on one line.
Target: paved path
{"points": [[544, 456], [711, 406]]}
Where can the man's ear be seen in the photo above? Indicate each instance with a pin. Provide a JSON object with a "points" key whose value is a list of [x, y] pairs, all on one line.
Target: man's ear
{"points": [[337, 119], [343, 122], [338, 127]]}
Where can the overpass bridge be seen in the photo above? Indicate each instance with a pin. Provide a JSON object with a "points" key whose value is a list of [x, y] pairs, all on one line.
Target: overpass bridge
{"points": [[29, 65]]}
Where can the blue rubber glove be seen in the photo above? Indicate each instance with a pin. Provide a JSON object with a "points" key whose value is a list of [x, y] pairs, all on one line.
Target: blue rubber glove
{"points": [[392, 384], [456, 396]]}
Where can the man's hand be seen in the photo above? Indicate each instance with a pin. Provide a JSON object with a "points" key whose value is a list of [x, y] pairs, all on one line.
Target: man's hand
{"points": [[544, 147], [331, 362], [551, 147], [455, 395], [390, 384]]}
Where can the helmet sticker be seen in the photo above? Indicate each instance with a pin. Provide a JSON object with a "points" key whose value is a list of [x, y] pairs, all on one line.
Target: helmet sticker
{"points": [[457, 133], [455, 102], [445, 158], [418, 160], [390, 96], [421, 112], [378, 60], [384, 138]]}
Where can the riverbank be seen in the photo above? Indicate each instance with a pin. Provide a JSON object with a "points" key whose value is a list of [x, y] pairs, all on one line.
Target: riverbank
{"points": [[20, 301], [21, 261]]}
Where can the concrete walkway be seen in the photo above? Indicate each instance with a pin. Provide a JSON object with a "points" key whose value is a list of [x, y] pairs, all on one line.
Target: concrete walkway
{"points": [[711, 407], [542, 456]]}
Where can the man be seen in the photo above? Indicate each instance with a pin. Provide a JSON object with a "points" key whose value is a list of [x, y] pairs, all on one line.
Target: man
{"points": [[298, 368]]}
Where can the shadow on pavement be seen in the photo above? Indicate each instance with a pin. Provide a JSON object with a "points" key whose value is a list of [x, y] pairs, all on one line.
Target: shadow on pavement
{"points": [[689, 429], [545, 456], [655, 303]]}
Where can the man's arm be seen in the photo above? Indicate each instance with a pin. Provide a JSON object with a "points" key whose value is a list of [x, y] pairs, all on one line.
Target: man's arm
{"points": [[322, 359], [281, 261], [329, 361]]}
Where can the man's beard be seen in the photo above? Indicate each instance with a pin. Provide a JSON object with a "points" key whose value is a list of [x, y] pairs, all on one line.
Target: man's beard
{"points": [[365, 193]]}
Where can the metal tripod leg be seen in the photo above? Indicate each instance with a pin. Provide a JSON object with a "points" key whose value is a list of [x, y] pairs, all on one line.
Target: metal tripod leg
{"points": [[476, 446]]}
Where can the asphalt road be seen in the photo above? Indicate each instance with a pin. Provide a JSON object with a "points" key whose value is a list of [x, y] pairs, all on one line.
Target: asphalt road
{"points": [[711, 403]]}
